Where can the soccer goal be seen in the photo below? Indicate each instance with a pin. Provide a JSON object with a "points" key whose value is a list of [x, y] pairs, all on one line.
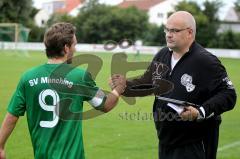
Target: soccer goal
{"points": [[13, 33]]}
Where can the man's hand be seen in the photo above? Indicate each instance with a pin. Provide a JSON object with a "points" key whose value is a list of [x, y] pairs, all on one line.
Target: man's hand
{"points": [[189, 114], [118, 82], [118, 85], [2, 154]]}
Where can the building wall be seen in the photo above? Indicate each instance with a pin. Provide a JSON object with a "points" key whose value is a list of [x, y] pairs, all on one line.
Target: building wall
{"points": [[48, 7], [58, 5], [159, 13], [51, 7], [47, 10], [234, 26], [231, 15], [41, 18]]}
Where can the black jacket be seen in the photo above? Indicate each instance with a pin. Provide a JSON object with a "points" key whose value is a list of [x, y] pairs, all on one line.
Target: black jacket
{"points": [[198, 77]]}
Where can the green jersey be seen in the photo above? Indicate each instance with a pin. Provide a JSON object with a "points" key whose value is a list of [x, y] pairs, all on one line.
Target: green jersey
{"points": [[38, 96]]}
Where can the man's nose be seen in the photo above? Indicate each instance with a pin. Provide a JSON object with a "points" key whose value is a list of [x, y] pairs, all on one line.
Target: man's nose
{"points": [[168, 35]]}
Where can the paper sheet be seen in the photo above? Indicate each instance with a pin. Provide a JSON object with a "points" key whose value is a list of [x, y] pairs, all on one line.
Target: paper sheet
{"points": [[177, 108]]}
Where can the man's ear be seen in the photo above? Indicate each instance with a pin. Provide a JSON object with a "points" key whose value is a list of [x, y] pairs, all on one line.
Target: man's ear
{"points": [[66, 49], [190, 31]]}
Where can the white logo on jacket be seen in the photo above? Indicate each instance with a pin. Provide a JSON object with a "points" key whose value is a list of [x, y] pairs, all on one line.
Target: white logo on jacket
{"points": [[186, 80], [228, 83]]}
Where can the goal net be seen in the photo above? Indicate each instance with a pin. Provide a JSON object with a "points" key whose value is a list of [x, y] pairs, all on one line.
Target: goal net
{"points": [[11, 35]]}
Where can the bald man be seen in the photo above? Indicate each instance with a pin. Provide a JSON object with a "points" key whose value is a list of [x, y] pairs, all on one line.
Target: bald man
{"points": [[199, 77]]}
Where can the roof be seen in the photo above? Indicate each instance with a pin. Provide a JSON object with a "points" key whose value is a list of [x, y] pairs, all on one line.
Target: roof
{"points": [[140, 4], [69, 6]]}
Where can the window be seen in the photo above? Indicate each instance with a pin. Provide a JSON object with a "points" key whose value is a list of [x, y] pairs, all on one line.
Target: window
{"points": [[160, 15]]}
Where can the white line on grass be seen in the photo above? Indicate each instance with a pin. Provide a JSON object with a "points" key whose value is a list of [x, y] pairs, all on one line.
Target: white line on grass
{"points": [[228, 146]]}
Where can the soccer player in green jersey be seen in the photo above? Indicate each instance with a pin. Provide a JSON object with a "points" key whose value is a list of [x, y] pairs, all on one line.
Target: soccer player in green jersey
{"points": [[37, 95]]}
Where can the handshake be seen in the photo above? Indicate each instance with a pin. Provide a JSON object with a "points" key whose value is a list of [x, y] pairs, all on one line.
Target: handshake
{"points": [[118, 84]]}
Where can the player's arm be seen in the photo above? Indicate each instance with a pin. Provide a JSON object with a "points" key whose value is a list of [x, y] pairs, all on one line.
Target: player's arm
{"points": [[7, 127], [99, 99], [112, 98], [106, 102]]}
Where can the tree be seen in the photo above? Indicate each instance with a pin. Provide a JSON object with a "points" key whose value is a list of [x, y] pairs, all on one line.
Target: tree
{"points": [[97, 23], [208, 32], [60, 17], [154, 36], [15, 11], [228, 40], [34, 12], [36, 34], [237, 5], [206, 19]]}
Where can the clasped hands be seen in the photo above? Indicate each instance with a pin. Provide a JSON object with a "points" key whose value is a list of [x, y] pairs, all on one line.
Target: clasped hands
{"points": [[118, 82]]}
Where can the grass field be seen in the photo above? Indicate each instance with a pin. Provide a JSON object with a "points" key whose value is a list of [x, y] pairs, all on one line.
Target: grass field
{"points": [[114, 135]]}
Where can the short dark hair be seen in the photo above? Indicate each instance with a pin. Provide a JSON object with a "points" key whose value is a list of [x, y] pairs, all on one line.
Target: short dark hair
{"points": [[56, 37]]}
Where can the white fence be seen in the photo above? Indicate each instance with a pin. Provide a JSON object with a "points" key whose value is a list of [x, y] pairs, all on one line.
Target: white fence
{"points": [[100, 48]]}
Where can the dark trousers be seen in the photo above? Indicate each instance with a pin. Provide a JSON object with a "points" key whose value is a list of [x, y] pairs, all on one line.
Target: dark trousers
{"points": [[211, 138], [194, 151], [189, 151]]}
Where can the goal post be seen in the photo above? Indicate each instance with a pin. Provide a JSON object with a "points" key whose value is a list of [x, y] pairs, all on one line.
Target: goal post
{"points": [[13, 32], [11, 35]]}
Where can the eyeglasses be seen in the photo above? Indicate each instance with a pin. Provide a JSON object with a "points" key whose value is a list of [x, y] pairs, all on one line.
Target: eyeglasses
{"points": [[174, 30]]}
